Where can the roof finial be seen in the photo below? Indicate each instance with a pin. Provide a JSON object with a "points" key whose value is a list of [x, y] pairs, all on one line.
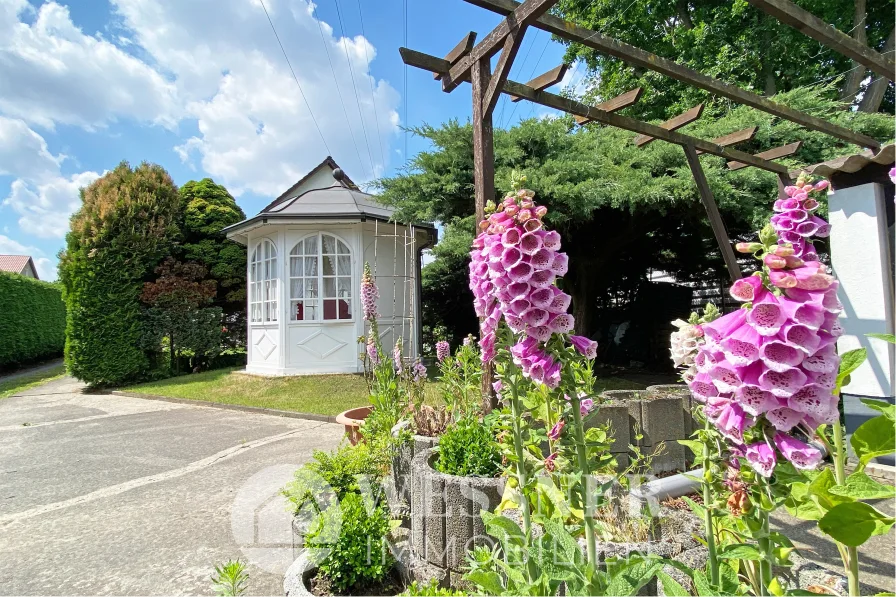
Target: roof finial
{"points": [[338, 174]]}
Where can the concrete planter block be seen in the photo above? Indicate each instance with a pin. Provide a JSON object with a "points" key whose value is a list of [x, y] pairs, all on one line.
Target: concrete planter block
{"points": [[401, 465], [660, 417], [687, 401], [445, 521], [617, 415]]}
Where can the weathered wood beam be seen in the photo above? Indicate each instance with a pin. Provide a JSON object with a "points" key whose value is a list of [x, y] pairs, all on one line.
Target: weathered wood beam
{"points": [[640, 58], [673, 123], [565, 104], [502, 70], [545, 80], [519, 15], [712, 212], [460, 50], [735, 137], [623, 100], [807, 23], [771, 154]]}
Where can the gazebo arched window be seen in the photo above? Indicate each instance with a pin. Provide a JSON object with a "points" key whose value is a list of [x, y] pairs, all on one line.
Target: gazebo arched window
{"points": [[320, 279], [263, 281]]}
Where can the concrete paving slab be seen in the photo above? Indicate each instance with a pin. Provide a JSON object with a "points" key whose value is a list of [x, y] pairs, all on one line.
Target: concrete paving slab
{"points": [[145, 498]]}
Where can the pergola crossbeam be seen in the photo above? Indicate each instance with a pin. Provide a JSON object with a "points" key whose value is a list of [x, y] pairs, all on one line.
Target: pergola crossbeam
{"points": [[545, 80], [807, 23], [520, 16], [674, 123], [623, 100], [564, 104], [464, 47], [771, 154], [643, 59], [735, 137]]}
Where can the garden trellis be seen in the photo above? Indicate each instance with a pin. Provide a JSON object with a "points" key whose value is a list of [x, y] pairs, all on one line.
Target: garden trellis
{"points": [[472, 63]]}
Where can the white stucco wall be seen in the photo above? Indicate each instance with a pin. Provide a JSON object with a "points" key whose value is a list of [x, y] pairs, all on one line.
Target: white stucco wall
{"points": [[860, 257]]}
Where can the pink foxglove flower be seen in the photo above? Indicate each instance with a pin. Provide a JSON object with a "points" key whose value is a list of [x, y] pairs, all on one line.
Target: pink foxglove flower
{"points": [[586, 347], [762, 458], [372, 353], [800, 454], [772, 365], [556, 430], [369, 294], [443, 349], [585, 406]]}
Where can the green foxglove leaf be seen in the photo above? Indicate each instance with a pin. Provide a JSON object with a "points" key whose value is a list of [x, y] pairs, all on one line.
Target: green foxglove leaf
{"points": [[819, 491], [860, 486], [743, 551], [849, 362], [671, 587], [885, 337], [702, 586], [852, 523], [630, 578], [694, 446], [885, 408], [875, 437], [490, 582], [502, 528]]}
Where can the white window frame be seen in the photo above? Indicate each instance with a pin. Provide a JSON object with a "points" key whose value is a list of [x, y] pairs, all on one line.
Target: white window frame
{"points": [[313, 306], [263, 283]]}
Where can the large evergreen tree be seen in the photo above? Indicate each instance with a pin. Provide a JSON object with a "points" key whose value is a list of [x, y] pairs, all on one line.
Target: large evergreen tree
{"points": [[128, 222], [207, 209]]}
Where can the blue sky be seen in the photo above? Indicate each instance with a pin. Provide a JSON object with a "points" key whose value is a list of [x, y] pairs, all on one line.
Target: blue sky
{"points": [[202, 88]]}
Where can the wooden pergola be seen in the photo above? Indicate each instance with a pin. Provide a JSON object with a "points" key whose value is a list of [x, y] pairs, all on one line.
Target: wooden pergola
{"points": [[471, 62]]}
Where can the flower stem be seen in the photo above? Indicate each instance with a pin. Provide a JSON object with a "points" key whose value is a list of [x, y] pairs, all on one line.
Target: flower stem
{"points": [[713, 559], [765, 549], [516, 411], [851, 559], [585, 470]]}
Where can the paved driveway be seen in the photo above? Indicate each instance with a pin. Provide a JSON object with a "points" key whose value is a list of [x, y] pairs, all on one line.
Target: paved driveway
{"points": [[106, 494]]}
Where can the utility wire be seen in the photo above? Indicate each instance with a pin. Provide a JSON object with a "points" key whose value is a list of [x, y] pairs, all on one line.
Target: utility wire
{"points": [[348, 122], [372, 91], [519, 69], [351, 71], [310, 111]]}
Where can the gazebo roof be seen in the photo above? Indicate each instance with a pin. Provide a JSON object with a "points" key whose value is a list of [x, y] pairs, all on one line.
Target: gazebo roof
{"points": [[324, 193]]}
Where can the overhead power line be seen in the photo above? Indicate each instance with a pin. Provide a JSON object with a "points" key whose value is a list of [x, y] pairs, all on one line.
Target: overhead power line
{"points": [[348, 122], [351, 72], [310, 111], [372, 90]]}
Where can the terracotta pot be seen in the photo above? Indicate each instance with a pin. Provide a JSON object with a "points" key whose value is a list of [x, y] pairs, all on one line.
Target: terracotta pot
{"points": [[352, 420]]}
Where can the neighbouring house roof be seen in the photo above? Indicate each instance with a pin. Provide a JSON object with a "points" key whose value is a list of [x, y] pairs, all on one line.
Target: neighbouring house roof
{"points": [[324, 193], [17, 264]]}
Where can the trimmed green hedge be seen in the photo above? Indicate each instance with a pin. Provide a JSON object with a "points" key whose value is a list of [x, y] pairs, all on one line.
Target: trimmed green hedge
{"points": [[32, 319]]}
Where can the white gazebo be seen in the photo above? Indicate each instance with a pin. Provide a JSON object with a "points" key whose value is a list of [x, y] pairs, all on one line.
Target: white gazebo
{"points": [[306, 254]]}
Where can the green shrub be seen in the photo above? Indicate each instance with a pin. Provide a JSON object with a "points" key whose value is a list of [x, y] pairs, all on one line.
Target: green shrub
{"points": [[127, 223], [469, 449], [358, 556], [339, 471], [32, 319]]}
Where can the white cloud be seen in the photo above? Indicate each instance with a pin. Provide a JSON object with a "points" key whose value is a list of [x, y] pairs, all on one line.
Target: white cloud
{"points": [[575, 80], [24, 153], [9, 246], [51, 72], [42, 197], [255, 130], [45, 207]]}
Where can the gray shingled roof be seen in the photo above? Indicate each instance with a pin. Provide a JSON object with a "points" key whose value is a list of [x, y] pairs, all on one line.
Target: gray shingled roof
{"points": [[336, 200]]}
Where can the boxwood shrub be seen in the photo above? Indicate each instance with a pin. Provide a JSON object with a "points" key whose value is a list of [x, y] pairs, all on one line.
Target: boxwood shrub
{"points": [[32, 320]]}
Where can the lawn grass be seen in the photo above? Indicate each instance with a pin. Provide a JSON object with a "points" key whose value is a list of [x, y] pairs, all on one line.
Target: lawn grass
{"points": [[316, 394], [24, 382]]}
